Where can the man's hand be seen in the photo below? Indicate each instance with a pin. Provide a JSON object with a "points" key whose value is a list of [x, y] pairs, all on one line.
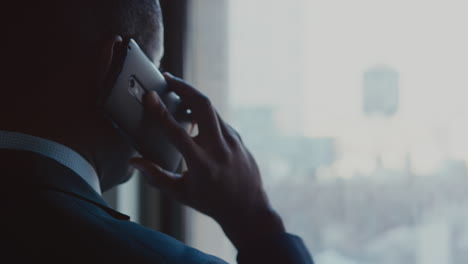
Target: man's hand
{"points": [[222, 179]]}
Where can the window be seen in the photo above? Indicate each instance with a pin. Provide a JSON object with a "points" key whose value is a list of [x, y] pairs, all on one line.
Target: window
{"points": [[357, 114]]}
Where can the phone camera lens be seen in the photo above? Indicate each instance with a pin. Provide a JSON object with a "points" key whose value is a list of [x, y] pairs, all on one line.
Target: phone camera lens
{"points": [[132, 83]]}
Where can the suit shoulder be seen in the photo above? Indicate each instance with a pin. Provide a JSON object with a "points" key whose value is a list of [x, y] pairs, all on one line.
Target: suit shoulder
{"points": [[73, 226]]}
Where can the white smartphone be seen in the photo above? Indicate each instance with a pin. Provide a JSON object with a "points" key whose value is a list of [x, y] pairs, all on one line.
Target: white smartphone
{"points": [[131, 76]]}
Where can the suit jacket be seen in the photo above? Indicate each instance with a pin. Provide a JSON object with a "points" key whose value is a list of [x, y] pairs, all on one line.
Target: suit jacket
{"points": [[49, 213]]}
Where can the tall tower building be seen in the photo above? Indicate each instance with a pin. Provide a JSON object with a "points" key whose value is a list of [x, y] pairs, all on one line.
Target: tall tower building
{"points": [[381, 91]]}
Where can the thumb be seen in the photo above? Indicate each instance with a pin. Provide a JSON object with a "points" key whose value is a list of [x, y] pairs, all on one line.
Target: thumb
{"points": [[158, 177]]}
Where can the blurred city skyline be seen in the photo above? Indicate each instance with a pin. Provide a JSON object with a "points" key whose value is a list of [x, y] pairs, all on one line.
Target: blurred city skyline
{"points": [[306, 59], [357, 114]]}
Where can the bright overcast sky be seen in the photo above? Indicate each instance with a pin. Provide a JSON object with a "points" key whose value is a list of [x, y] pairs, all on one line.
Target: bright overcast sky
{"points": [[425, 41]]}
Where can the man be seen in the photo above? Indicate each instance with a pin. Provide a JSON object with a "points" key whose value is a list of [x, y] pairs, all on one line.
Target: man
{"points": [[59, 151]]}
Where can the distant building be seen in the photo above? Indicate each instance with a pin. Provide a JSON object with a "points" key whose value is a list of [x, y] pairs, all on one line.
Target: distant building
{"points": [[206, 64], [381, 91], [301, 156]]}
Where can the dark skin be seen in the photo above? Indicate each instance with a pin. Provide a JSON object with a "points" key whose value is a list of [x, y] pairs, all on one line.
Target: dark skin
{"points": [[222, 179], [67, 114]]}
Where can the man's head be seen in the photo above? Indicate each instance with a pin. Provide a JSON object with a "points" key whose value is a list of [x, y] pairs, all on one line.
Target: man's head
{"points": [[58, 55]]}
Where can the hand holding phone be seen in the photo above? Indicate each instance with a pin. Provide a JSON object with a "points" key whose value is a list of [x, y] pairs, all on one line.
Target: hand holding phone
{"points": [[133, 75], [222, 179]]}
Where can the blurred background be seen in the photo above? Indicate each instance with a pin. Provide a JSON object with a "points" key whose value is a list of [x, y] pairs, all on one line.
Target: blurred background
{"points": [[356, 112]]}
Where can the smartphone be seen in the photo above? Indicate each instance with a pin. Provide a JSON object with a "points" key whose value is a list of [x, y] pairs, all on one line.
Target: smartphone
{"points": [[132, 75]]}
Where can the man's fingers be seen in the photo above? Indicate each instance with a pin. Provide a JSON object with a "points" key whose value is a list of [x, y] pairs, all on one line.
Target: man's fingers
{"points": [[202, 110], [230, 134], [158, 177], [182, 88], [176, 133]]}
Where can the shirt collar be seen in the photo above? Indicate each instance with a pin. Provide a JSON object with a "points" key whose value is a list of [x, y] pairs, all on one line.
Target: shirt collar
{"points": [[53, 150]]}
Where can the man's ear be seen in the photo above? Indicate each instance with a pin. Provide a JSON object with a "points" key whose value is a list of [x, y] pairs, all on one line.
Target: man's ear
{"points": [[106, 56]]}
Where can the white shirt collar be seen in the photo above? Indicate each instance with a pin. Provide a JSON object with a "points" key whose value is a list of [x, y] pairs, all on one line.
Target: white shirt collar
{"points": [[53, 150]]}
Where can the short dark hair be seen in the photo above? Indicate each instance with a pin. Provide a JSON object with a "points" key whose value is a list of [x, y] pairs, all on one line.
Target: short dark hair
{"points": [[47, 40], [40, 31], [138, 19]]}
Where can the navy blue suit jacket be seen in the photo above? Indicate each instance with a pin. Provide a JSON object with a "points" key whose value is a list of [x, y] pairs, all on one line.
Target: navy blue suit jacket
{"points": [[50, 214]]}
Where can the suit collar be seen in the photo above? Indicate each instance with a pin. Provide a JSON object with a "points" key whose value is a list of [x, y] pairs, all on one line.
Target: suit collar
{"points": [[53, 150], [31, 169]]}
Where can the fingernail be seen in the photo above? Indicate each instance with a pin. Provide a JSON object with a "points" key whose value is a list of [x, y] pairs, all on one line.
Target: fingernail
{"points": [[168, 74], [134, 162], [154, 97], [138, 167]]}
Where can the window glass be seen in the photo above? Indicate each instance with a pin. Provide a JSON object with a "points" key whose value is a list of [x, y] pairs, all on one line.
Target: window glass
{"points": [[357, 114]]}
